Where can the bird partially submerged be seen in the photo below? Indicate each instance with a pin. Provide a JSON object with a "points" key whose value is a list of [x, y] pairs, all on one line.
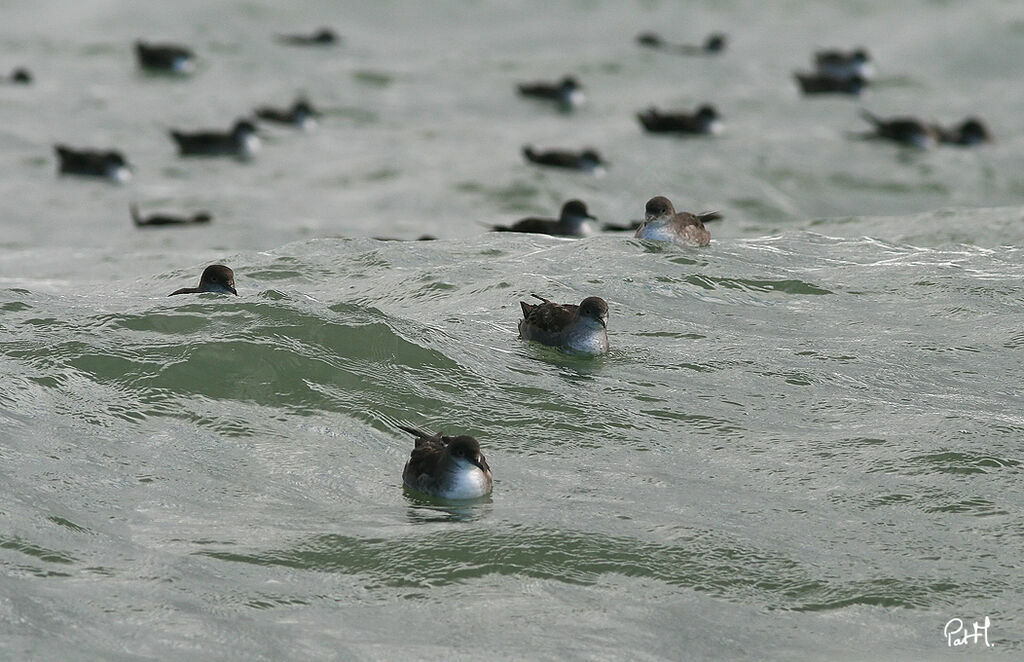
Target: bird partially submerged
{"points": [[581, 329], [446, 467]]}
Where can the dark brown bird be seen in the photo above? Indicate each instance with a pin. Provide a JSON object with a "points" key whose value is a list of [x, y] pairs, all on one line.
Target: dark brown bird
{"points": [[109, 164], [819, 83], [704, 121], [844, 64], [904, 130], [241, 142], [581, 329], [587, 160], [165, 58], [167, 219], [301, 114], [446, 467], [573, 221], [713, 44], [20, 76], [567, 93], [321, 37], [215, 278], [969, 133], [663, 223]]}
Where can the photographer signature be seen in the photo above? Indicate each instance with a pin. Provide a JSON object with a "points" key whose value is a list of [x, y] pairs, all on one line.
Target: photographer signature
{"points": [[957, 634]]}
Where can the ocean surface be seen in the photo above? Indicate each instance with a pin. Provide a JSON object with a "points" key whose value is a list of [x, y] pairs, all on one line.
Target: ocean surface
{"points": [[806, 442]]}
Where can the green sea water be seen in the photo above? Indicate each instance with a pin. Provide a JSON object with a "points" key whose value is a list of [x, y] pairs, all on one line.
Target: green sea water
{"points": [[804, 444]]}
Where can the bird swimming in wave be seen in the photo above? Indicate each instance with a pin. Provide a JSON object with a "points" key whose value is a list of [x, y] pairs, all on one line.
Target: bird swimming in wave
{"points": [[109, 164], [968, 133], [19, 76], [566, 93], [216, 278], [840, 64], [241, 142], [704, 121], [587, 160], [321, 37], [165, 58], [819, 83], [573, 221], [301, 114], [713, 44], [581, 329], [663, 223], [904, 130], [446, 467], [167, 219]]}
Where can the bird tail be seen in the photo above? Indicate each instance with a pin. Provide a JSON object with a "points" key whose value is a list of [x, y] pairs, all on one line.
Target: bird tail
{"points": [[413, 431]]}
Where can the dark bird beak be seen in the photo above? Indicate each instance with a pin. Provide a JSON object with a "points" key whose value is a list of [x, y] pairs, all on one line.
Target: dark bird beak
{"points": [[232, 290], [477, 463]]}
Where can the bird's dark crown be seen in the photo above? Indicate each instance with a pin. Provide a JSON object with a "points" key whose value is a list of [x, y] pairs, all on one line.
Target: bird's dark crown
{"points": [[574, 208], [243, 126], [218, 274], [115, 158], [595, 307], [707, 111], [715, 42], [659, 206], [467, 448]]}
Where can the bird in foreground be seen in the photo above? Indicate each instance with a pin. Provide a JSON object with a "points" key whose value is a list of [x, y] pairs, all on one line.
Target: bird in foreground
{"points": [[108, 164], [165, 58], [713, 44], [216, 278], [822, 83], [321, 37], [904, 130], [573, 221], [241, 141], [587, 160], [581, 329], [301, 114], [446, 467], [968, 133], [663, 223], [704, 121], [844, 65], [167, 219], [567, 93]]}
